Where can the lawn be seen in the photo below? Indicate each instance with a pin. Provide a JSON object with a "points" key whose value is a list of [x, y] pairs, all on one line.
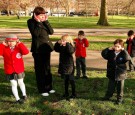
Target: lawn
{"points": [[88, 101], [89, 92], [70, 22]]}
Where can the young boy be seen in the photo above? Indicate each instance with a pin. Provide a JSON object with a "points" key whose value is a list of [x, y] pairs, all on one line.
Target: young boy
{"points": [[131, 49], [12, 50], [116, 69], [81, 43], [65, 47]]}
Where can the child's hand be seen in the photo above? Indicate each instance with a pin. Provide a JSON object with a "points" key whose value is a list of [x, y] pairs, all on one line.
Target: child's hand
{"points": [[63, 43], [4, 43], [36, 18], [111, 48], [59, 41], [122, 48], [18, 42]]}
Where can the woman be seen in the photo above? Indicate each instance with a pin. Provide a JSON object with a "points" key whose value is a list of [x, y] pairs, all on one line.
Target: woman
{"points": [[41, 49]]}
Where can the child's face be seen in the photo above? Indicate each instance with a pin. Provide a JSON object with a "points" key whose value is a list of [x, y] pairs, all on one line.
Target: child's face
{"points": [[117, 47], [80, 37], [132, 36], [11, 43]]}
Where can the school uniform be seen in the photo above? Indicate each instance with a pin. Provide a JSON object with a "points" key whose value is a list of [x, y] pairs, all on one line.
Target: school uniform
{"points": [[80, 53], [116, 71], [66, 65]]}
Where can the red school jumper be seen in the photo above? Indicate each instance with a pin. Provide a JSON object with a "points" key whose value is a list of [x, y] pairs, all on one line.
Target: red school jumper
{"points": [[81, 47], [13, 62]]}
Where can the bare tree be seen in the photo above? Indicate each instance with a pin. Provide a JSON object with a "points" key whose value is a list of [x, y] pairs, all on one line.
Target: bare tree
{"points": [[103, 14]]}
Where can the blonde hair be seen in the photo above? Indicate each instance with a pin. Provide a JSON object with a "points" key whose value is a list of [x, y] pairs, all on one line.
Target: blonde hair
{"points": [[67, 38]]}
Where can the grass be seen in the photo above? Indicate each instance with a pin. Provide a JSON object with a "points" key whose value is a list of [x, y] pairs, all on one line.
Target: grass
{"points": [[89, 93], [70, 22]]}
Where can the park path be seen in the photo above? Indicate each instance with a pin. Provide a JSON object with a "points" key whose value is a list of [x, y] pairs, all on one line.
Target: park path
{"points": [[93, 59]]}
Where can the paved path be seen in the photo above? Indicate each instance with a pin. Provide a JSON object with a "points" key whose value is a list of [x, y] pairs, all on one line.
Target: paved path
{"points": [[24, 33], [93, 60]]}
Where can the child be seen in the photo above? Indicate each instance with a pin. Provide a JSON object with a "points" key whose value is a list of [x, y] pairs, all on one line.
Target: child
{"points": [[12, 50], [65, 47], [116, 69], [81, 43], [131, 49]]}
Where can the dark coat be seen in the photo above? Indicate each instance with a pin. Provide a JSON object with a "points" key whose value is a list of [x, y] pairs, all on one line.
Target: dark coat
{"points": [[116, 66], [132, 47], [40, 32], [66, 62]]}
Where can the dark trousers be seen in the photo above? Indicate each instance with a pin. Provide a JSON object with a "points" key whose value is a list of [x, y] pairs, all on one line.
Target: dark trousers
{"points": [[67, 79], [80, 65], [42, 71], [112, 84], [131, 64]]}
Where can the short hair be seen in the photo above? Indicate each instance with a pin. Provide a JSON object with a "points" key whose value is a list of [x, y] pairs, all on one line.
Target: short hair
{"points": [[130, 32], [120, 41], [81, 33], [39, 10]]}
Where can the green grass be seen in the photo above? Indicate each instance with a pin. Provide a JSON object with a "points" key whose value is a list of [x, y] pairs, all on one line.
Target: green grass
{"points": [[70, 22], [89, 93]]}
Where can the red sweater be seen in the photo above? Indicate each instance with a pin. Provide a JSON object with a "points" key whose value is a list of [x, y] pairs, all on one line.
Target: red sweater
{"points": [[81, 47], [13, 61]]}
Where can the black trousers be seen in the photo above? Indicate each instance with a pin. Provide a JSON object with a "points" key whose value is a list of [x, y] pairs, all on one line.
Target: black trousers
{"points": [[112, 84], [43, 71], [69, 78], [80, 65]]}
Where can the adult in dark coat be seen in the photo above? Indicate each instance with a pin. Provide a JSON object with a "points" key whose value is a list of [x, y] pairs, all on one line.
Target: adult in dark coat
{"points": [[65, 48], [41, 49], [116, 69]]}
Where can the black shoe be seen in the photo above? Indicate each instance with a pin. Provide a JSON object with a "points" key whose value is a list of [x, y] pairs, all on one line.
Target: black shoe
{"points": [[65, 96], [24, 98], [105, 99], [73, 96], [19, 101], [85, 77], [77, 77]]}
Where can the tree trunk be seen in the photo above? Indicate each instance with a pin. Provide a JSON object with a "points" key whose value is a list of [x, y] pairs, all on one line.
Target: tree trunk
{"points": [[103, 14]]}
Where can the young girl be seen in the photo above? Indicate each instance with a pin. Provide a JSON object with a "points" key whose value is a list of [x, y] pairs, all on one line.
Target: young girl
{"points": [[12, 50], [116, 69], [65, 47]]}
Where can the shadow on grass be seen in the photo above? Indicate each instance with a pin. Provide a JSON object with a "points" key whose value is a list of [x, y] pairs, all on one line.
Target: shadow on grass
{"points": [[89, 92]]}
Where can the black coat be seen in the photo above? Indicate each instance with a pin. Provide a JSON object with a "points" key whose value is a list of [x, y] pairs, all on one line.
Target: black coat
{"points": [[40, 32], [116, 66], [66, 61]]}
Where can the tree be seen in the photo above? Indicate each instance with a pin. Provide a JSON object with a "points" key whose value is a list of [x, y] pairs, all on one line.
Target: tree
{"points": [[103, 14]]}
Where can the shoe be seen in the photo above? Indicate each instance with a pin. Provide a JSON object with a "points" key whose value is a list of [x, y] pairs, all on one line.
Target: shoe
{"points": [[65, 95], [85, 77], [45, 94], [19, 101], [77, 77], [105, 99], [24, 98], [52, 91], [73, 96]]}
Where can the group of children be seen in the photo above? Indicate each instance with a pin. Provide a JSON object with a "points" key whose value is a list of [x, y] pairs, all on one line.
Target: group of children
{"points": [[12, 50]]}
